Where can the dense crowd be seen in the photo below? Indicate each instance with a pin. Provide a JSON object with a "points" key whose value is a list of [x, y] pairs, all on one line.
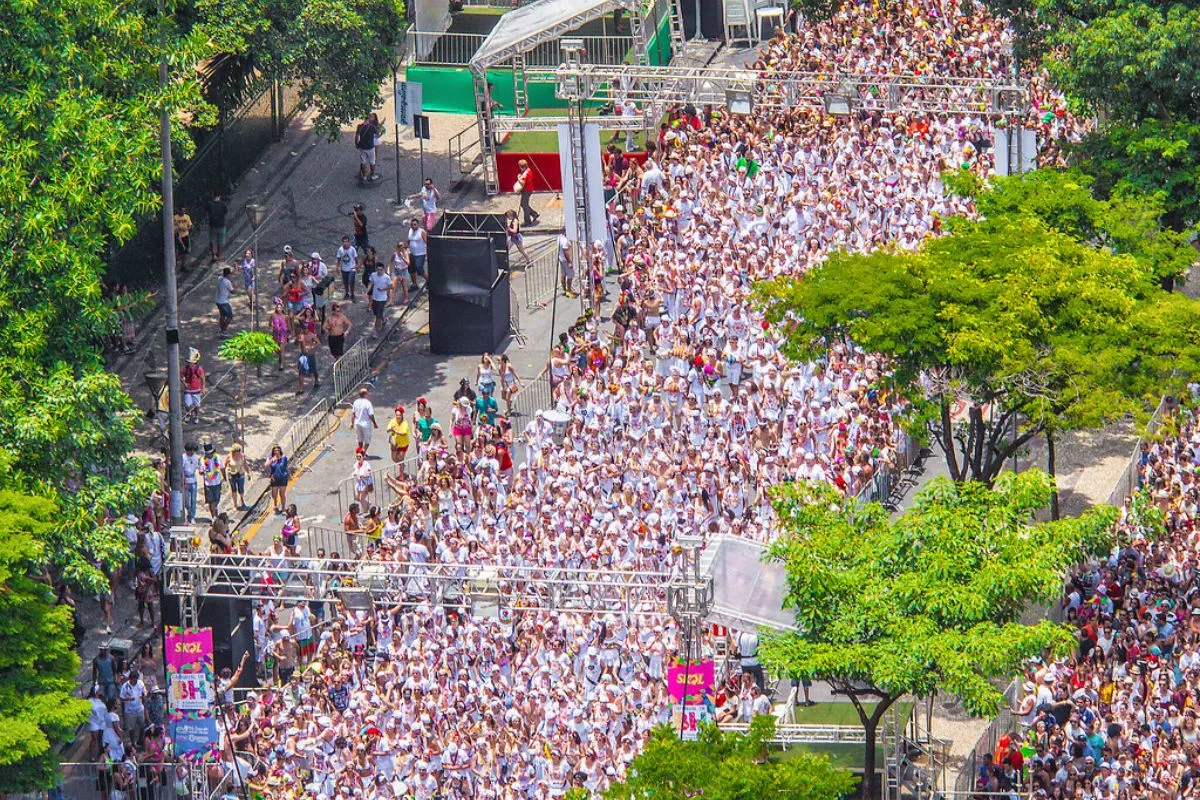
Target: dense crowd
{"points": [[1118, 718], [677, 420]]}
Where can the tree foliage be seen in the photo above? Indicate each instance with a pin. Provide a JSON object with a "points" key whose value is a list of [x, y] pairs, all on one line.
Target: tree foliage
{"points": [[79, 161], [929, 600], [1152, 157], [37, 663], [339, 51], [1018, 321], [725, 766]]}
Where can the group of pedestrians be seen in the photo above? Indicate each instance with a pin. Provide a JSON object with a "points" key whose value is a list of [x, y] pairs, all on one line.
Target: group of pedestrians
{"points": [[670, 424], [1117, 718]]}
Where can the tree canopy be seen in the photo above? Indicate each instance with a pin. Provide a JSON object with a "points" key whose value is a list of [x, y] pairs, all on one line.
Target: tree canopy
{"points": [[338, 51], [79, 161], [725, 766], [1025, 321], [37, 663], [929, 600]]}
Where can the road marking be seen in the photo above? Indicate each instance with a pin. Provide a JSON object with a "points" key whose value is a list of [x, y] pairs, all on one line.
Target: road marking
{"points": [[308, 462]]}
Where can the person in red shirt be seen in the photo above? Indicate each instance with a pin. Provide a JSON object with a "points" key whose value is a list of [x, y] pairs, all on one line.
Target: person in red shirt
{"points": [[524, 187]]}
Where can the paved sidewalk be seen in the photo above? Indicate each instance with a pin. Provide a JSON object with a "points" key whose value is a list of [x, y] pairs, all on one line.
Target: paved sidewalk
{"points": [[309, 186]]}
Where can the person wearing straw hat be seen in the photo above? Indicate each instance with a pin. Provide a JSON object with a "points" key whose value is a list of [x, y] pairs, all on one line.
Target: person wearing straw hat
{"points": [[194, 384]]}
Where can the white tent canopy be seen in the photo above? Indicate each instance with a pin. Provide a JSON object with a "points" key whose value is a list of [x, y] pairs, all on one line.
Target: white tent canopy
{"points": [[524, 28]]}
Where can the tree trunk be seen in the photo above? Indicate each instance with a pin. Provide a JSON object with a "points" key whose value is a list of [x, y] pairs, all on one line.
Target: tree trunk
{"points": [[868, 781], [1053, 476]]}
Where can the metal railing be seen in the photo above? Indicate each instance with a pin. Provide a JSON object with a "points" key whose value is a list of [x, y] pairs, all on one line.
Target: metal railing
{"points": [[886, 477], [535, 395], [297, 436], [345, 544], [351, 369], [1005, 723], [443, 47], [381, 493], [463, 154], [446, 48], [540, 277], [1131, 478]]}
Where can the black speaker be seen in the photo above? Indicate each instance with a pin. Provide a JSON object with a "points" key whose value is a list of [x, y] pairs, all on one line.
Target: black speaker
{"points": [[462, 264], [232, 623], [470, 324]]}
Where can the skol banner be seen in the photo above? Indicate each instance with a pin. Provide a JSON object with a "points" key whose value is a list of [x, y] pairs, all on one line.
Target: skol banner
{"points": [[190, 692], [692, 680]]}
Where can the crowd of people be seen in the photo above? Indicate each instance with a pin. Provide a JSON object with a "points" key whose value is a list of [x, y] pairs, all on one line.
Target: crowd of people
{"points": [[678, 417], [1118, 719]]}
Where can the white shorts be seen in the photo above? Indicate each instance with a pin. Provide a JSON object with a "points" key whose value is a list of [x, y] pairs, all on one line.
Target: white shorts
{"points": [[191, 399], [362, 434], [367, 157]]}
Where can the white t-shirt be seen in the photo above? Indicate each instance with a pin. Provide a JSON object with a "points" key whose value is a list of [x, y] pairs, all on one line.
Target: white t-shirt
{"points": [[131, 695], [363, 411], [224, 289], [347, 258], [416, 241], [380, 285]]}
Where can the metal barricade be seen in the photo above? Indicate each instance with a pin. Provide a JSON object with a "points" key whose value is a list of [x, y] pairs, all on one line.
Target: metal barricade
{"points": [[443, 47], [1005, 723], [381, 493], [334, 542], [540, 277], [1131, 478], [351, 369], [297, 436]]}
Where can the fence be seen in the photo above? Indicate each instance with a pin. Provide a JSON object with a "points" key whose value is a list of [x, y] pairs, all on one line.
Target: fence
{"points": [[381, 493], [540, 277], [457, 49], [351, 369], [534, 395], [296, 437], [1131, 478], [89, 780], [222, 156], [884, 481], [1006, 722]]}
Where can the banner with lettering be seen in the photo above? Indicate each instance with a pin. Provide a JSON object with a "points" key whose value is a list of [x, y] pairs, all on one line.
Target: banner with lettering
{"points": [[190, 691], [694, 680]]}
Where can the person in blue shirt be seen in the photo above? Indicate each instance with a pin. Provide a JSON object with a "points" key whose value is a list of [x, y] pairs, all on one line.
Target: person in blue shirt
{"points": [[486, 407]]}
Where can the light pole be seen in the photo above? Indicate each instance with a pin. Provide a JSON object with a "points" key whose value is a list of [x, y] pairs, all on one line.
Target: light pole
{"points": [[174, 390], [257, 214]]}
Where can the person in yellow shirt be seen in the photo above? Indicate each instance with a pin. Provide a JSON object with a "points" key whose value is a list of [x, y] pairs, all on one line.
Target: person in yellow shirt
{"points": [[399, 435]]}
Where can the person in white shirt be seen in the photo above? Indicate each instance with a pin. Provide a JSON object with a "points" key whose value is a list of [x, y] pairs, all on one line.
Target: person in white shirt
{"points": [[381, 294], [362, 417], [347, 259], [132, 694], [418, 249]]}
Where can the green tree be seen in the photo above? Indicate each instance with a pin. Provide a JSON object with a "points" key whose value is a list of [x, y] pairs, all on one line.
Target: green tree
{"points": [[37, 663], [78, 168], [1013, 324], [339, 51], [726, 766], [1152, 157], [928, 601], [248, 349]]}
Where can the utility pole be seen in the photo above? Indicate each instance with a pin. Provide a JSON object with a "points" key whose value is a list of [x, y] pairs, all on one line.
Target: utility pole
{"points": [[174, 390]]}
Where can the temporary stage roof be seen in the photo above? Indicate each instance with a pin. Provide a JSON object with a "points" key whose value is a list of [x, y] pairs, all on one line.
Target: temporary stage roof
{"points": [[524, 28]]}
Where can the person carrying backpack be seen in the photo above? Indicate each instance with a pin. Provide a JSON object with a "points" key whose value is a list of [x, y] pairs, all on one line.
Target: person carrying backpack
{"points": [[364, 142]]}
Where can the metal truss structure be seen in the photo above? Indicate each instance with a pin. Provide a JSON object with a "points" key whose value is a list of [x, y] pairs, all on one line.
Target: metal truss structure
{"points": [[659, 87], [483, 588], [607, 123]]}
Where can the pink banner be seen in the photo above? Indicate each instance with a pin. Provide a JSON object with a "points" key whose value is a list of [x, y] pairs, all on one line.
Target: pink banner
{"points": [[694, 680], [189, 650]]}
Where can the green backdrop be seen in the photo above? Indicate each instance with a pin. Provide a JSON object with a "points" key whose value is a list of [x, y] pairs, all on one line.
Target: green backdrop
{"points": [[450, 90]]}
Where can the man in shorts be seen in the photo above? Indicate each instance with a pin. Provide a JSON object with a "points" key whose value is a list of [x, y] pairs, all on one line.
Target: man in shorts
{"points": [[381, 295], [364, 142], [222, 299], [306, 362], [194, 383], [362, 417], [337, 325]]}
